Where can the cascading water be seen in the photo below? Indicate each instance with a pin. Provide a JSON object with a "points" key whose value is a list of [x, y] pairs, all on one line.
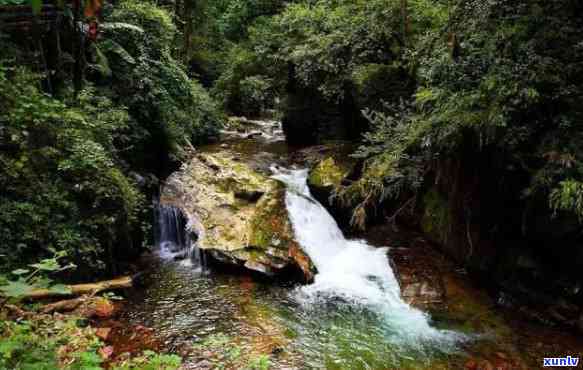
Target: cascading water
{"points": [[351, 270], [351, 317], [173, 236]]}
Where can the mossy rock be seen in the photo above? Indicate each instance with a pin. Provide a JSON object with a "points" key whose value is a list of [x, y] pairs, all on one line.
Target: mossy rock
{"points": [[239, 214], [330, 173], [331, 166], [436, 219]]}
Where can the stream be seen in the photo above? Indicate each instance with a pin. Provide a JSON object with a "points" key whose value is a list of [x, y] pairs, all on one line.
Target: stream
{"points": [[351, 317]]}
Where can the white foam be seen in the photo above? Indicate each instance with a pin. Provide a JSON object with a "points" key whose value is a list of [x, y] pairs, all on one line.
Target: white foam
{"points": [[350, 270]]}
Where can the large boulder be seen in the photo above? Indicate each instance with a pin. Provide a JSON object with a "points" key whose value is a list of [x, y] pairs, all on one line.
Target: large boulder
{"points": [[238, 215]]}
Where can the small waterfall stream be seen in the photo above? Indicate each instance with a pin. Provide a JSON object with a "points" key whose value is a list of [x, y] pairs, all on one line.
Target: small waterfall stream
{"points": [[350, 270], [351, 317], [173, 237]]}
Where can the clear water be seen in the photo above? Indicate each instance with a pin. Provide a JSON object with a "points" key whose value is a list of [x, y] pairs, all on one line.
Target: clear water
{"points": [[351, 317], [184, 307], [173, 236], [351, 270]]}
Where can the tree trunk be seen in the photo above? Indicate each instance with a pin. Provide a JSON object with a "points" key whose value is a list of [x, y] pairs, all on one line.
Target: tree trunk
{"points": [[188, 10], [81, 289], [405, 21]]}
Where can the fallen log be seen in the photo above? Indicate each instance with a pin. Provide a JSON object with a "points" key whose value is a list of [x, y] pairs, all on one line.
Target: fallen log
{"points": [[85, 306], [83, 289], [67, 305], [17, 312]]}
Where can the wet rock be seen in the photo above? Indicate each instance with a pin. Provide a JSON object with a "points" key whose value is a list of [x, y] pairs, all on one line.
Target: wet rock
{"points": [[106, 352], [329, 173], [238, 214], [103, 333], [421, 292], [471, 364], [485, 365], [419, 276], [104, 308], [331, 166], [100, 308], [205, 364], [254, 134]]}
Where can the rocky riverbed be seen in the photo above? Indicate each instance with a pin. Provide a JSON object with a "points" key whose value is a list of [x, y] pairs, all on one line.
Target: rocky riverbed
{"points": [[246, 308]]}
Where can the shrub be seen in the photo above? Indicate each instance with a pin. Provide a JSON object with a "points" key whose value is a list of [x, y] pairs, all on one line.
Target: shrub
{"points": [[507, 87], [63, 187], [256, 95], [173, 109]]}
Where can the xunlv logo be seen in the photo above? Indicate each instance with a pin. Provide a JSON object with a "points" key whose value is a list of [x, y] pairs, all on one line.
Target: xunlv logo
{"points": [[561, 361]]}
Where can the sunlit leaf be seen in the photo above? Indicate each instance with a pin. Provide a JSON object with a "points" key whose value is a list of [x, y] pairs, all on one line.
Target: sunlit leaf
{"points": [[50, 264], [16, 289]]}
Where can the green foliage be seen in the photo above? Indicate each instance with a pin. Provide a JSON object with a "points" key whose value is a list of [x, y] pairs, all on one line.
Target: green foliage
{"points": [[63, 185], [236, 15], [326, 40], [507, 86], [48, 343], [568, 196], [230, 353], [159, 30], [74, 169], [327, 60], [14, 2], [228, 88], [22, 347], [36, 278], [256, 94], [260, 363], [151, 361], [154, 86], [40, 342], [377, 84]]}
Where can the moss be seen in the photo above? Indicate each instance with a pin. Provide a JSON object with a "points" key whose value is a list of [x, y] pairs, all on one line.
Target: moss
{"points": [[270, 227], [436, 220], [330, 173], [241, 177]]}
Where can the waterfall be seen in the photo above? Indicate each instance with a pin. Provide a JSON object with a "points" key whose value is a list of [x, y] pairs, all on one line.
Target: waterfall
{"points": [[349, 271], [173, 236]]}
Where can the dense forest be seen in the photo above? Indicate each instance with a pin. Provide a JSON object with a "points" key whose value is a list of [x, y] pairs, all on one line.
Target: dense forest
{"points": [[463, 118]]}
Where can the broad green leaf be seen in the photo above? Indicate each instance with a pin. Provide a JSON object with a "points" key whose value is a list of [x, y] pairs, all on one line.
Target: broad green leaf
{"points": [[41, 282], [16, 289], [50, 264]]}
